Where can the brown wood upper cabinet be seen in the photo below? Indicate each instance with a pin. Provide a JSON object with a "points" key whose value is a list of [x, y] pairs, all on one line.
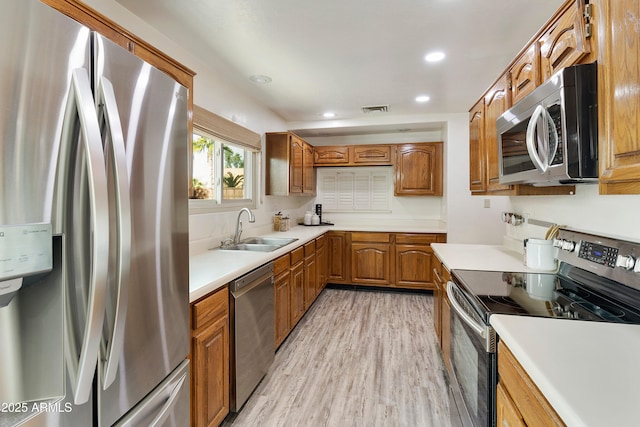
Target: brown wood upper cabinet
{"points": [[524, 74], [364, 155], [289, 165], [496, 101], [477, 163], [565, 40], [353, 155], [418, 169], [618, 100], [331, 156]]}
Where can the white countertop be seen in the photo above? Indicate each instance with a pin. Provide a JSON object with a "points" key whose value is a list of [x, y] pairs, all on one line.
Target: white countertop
{"points": [[213, 269], [588, 371], [480, 257]]}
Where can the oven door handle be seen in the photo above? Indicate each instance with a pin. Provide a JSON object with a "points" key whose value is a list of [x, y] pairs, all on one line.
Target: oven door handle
{"points": [[480, 329]]}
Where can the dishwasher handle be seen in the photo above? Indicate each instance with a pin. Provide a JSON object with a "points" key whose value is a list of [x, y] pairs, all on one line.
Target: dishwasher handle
{"points": [[251, 280]]}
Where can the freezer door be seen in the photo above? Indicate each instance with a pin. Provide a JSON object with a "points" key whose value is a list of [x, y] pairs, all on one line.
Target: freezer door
{"points": [[150, 326], [166, 406]]}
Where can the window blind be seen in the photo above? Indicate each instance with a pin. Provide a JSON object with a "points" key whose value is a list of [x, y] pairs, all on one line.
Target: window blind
{"points": [[219, 127], [355, 189]]}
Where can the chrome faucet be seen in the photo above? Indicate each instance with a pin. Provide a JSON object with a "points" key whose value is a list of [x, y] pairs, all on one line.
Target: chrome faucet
{"points": [[252, 218]]}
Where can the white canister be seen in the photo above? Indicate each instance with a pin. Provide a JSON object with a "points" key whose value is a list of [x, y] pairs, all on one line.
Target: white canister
{"points": [[307, 218], [315, 219], [540, 254], [540, 286]]}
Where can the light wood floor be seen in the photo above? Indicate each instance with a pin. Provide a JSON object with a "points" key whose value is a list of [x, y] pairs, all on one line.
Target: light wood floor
{"points": [[357, 358]]}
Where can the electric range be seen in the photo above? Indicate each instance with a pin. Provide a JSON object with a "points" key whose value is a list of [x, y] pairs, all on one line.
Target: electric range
{"points": [[598, 279]]}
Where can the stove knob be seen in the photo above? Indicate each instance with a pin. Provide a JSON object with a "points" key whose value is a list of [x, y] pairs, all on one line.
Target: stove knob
{"points": [[625, 261], [568, 245], [557, 243], [637, 267]]}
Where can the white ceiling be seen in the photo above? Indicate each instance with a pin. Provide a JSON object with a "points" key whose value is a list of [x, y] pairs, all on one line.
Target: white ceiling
{"points": [[341, 55]]}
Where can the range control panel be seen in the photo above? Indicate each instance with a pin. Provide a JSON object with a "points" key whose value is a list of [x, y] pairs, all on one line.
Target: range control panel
{"points": [[599, 254], [608, 257]]}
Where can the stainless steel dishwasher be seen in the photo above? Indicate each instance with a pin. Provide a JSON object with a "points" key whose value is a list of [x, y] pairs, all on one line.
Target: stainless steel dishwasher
{"points": [[253, 327]]}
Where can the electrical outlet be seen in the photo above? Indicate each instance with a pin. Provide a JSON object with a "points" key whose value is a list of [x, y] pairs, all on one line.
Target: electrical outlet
{"points": [[487, 203]]}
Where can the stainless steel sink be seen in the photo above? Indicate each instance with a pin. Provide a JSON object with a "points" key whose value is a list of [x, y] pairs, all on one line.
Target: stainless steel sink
{"points": [[279, 241], [258, 244]]}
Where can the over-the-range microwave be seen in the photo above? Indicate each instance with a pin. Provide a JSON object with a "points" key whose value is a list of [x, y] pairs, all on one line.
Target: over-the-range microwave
{"points": [[550, 137]]}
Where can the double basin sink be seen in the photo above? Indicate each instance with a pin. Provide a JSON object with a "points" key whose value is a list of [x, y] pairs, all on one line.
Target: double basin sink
{"points": [[259, 244]]}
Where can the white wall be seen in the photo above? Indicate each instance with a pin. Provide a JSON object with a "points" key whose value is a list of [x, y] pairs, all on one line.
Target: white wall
{"points": [[468, 221], [615, 216]]}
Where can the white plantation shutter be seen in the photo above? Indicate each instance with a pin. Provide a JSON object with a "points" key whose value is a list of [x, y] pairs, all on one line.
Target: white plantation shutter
{"points": [[355, 189], [328, 187], [380, 192], [362, 195], [345, 191]]}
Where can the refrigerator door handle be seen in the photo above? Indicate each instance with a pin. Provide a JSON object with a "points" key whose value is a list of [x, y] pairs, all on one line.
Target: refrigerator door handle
{"points": [[115, 145], [80, 104], [163, 401], [169, 404]]}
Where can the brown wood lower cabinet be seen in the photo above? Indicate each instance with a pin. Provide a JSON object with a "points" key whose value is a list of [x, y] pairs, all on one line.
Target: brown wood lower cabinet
{"points": [[338, 263], [415, 260], [310, 274], [210, 359], [322, 260], [519, 401], [442, 310], [446, 332], [371, 258], [399, 260], [299, 277], [438, 295], [282, 297], [297, 285]]}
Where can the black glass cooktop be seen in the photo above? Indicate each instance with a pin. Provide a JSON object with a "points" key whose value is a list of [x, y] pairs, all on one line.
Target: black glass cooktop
{"points": [[570, 294]]}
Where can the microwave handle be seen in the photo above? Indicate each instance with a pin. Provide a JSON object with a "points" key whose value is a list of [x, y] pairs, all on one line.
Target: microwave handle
{"points": [[531, 139]]}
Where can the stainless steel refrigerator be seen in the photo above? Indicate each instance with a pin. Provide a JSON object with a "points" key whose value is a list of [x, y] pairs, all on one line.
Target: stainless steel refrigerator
{"points": [[94, 306]]}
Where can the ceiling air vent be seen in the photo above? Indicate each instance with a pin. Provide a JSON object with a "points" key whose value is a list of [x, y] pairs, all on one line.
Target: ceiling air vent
{"points": [[375, 109]]}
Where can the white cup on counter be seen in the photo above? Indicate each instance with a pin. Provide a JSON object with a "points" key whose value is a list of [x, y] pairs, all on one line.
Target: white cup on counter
{"points": [[540, 254]]}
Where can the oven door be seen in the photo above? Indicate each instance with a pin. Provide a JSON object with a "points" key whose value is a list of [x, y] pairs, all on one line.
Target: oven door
{"points": [[473, 373]]}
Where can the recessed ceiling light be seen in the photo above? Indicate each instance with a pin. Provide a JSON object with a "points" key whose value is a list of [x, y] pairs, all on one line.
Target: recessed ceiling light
{"points": [[422, 98], [434, 57], [260, 79], [329, 115]]}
